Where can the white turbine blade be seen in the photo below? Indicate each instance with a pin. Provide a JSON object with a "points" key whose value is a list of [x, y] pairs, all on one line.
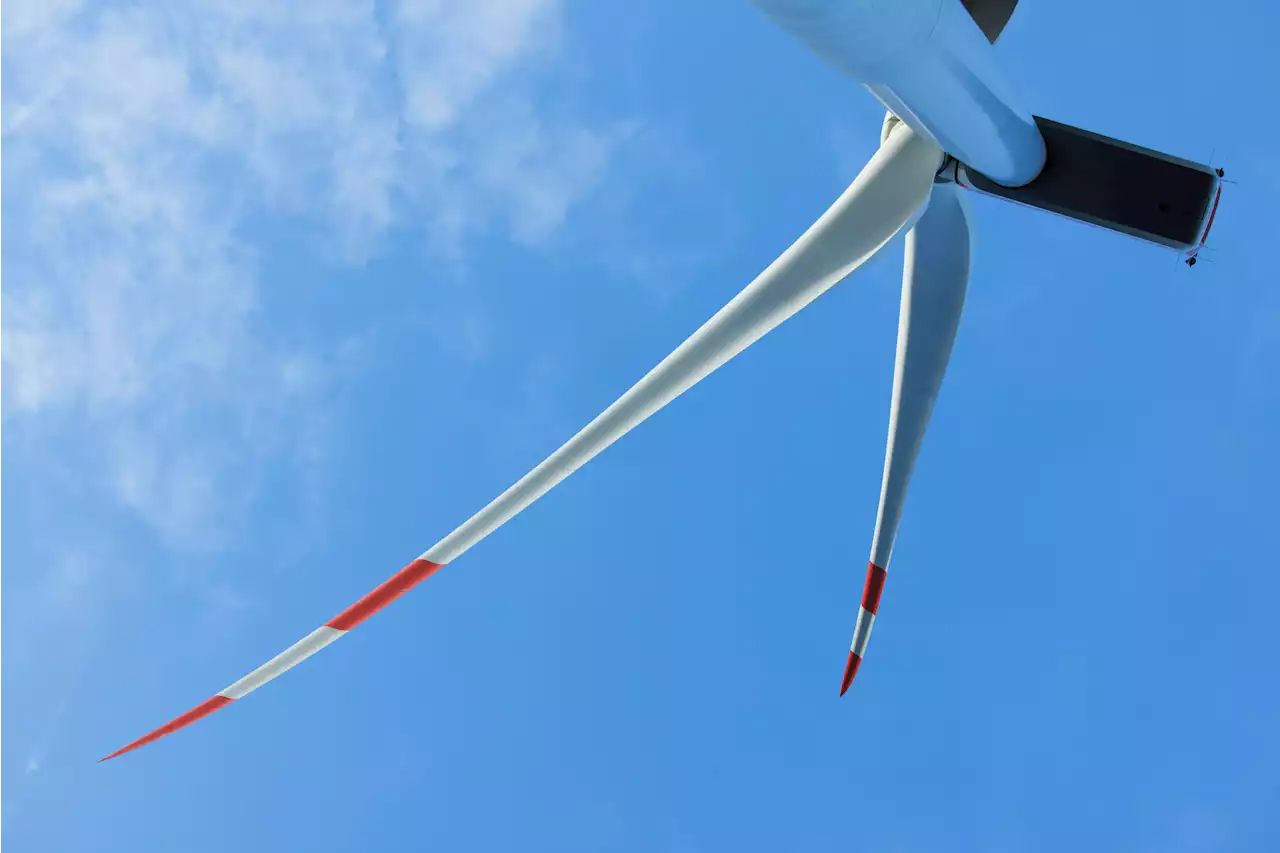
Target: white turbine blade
{"points": [[935, 277], [876, 205]]}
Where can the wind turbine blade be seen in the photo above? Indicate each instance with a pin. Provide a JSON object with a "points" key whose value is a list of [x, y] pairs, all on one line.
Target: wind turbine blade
{"points": [[935, 277], [876, 205]]}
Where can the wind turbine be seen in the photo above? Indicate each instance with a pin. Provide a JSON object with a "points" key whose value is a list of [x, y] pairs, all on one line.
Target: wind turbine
{"points": [[954, 123]]}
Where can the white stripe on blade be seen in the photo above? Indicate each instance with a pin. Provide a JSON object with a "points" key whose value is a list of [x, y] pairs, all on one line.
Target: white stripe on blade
{"points": [[862, 632], [283, 662]]}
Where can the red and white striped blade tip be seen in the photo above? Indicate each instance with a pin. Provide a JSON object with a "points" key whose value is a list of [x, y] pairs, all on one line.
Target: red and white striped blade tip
{"points": [[200, 711], [382, 595], [850, 670]]}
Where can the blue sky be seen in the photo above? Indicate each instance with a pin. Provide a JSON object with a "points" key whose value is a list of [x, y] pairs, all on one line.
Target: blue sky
{"points": [[290, 294]]}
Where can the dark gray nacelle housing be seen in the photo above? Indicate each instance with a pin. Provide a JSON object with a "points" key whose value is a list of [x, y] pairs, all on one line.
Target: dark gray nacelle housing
{"points": [[1115, 185], [1103, 181]]}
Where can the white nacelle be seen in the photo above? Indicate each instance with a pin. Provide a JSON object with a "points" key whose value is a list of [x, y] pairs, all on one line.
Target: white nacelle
{"points": [[929, 63]]}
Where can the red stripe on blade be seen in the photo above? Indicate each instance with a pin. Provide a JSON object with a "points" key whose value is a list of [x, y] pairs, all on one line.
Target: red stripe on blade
{"points": [[399, 583], [200, 711], [875, 585], [850, 670]]}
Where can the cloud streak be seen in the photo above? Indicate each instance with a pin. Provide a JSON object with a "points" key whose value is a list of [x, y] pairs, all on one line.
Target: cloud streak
{"points": [[142, 140]]}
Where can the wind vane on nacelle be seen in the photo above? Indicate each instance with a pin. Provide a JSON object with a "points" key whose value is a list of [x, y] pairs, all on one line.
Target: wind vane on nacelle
{"points": [[954, 122]]}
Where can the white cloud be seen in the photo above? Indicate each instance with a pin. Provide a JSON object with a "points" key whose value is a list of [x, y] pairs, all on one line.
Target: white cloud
{"points": [[142, 137], [451, 52]]}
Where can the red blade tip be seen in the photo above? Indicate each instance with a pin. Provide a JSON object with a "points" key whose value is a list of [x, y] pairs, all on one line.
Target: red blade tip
{"points": [[850, 670], [200, 711]]}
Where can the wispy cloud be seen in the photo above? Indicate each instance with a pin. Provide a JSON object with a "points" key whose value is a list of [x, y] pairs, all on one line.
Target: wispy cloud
{"points": [[141, 139], [152, 153]]}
